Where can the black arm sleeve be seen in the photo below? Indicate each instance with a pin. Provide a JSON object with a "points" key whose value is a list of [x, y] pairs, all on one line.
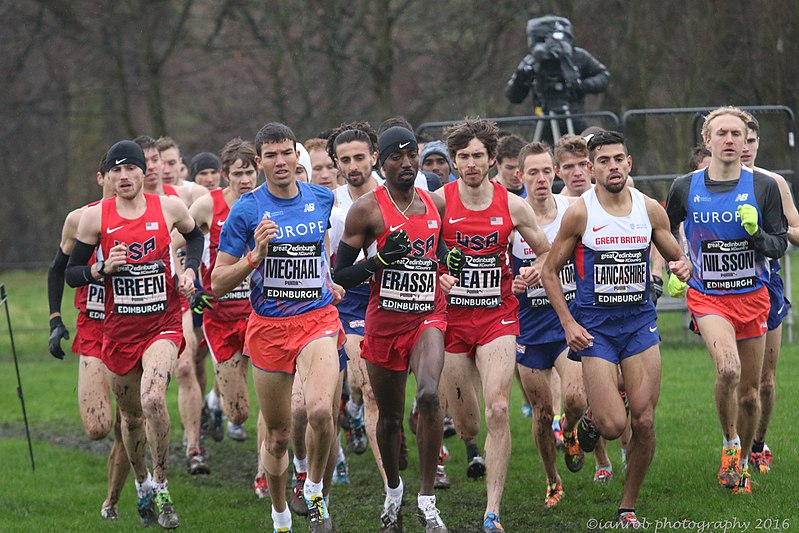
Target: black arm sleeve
{"points": [[55, 280], [676, 203], [347, 272], [78, 272], [441, 252], [195, 242], [772, 239]]}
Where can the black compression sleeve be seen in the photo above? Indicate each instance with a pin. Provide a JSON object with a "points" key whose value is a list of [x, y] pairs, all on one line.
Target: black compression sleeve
{"points": [[441, 252], [195, 243], [55, 280], [347, 273], [78, 272]]}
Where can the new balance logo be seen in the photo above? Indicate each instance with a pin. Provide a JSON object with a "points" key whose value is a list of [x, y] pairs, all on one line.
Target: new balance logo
{"points": [[308, 208], [742, 197]]}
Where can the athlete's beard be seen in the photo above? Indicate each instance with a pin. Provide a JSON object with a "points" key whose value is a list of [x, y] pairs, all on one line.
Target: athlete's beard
{"points": [[615, 187]]}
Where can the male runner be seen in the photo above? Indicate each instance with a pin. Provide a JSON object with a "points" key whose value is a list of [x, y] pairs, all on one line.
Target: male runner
{"points": [[571, 165], [482, 312], [406, 314], [142, 334], [94, 395], [608, 232], [733, 222], [294, 326]]}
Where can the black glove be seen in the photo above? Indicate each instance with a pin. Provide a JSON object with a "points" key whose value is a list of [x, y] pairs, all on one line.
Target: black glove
{"points": [[200, 301], [455, 261], [58, 331], [656, 289], [397, 246]]}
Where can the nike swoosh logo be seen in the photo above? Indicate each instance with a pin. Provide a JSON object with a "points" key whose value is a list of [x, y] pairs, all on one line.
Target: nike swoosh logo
{"points": [[653, 329], [426, 322], [403, 145], [168, 332], [506, 322], [329, 332], [395, 228], [599, 228], [220, 222], [118, 161], [112, 230], [454, 220], [780, 309]]}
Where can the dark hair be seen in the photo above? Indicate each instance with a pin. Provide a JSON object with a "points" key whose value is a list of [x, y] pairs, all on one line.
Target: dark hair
{"points": [[146, 142], [509, 146], [394, 121], [533, 148], [698, 153], [350, 132], [102, 165], [485, 131], [604, 138], [274, 132], [753, 125], [238, 149]]}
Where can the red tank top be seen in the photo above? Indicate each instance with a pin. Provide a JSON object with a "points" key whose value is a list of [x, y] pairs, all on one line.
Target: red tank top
{"points": [[407, 291], [90, 299], [485, 281], [142, 297], [234, 305]]}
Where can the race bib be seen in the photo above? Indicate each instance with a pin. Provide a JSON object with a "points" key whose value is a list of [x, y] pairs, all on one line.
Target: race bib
{"points": [[409, 285], [241, 292], [479, 283], [620, 277], [95, 301], [537, 296], [293, 271], [728, 265], [140, 288]]}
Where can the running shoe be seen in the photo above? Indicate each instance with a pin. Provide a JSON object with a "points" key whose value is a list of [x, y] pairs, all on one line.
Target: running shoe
{"points": [[730, 470], [554, 495], [574, 456], [758, 461], [587, 434], [297, 500], [109, 513], [167, 517], [527, 410], [557, 430], [744, 484], [767, 455], [491, 523], [215, 427], [391, 518], [430, 517], [196, 465], [146, 507], [403, 453], [442, 480], [476, 468], [341, 475], [603, 474], [628, 520], [261, 487], [356, 439], [318, 516], [449, 427], [236, 431]]}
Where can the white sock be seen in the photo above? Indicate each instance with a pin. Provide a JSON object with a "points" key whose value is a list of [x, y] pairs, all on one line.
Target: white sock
{"points": [[281, 519], [300, 465], [143, 488], [735, 441], [340, 453], [212, 400], [423, 501], [353, 409], [394, 494], [744, 462], [160, 487], [311, 489]]}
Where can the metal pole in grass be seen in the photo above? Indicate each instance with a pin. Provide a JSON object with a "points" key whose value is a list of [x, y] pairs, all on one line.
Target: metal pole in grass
{"points": [[4, 301]]}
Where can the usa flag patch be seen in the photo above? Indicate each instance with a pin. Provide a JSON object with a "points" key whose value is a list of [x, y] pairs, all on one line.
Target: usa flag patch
{"points": [[496, 221], [151, 226], [432, 224]]}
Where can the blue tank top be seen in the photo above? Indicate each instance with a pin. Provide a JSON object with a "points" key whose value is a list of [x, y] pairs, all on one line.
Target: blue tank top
{"points": [[722, 252], [294, 278]]}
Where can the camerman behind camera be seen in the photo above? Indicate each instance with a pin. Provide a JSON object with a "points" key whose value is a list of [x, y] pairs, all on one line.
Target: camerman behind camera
{"points": [[559, 73]]}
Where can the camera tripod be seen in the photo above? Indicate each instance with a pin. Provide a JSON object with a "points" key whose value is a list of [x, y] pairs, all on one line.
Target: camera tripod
{"points": [[554, 119]]}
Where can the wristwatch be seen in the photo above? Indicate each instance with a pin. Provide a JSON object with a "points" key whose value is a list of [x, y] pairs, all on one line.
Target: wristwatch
{"points": [[100, 267]]}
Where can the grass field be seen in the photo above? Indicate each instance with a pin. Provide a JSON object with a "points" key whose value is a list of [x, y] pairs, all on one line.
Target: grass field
{"points": [[680, 493]]}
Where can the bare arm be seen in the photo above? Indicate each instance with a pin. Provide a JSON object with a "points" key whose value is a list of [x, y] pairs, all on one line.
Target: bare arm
{"points": [[202, 211], [571, 229], [229, 271], [788, 208], [665, 242], [525, 223]]}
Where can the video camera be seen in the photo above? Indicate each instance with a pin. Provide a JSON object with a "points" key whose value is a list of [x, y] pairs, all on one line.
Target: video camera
{"points": [[551, 45]]}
